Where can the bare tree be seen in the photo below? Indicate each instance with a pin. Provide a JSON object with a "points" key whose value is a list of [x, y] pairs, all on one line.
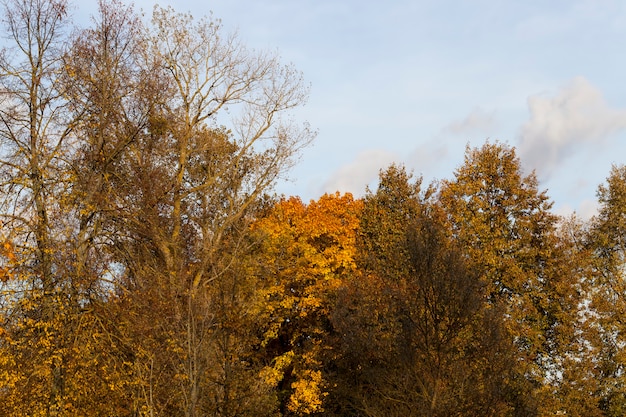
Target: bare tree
{"points": [[34, 127], [216, 139], [133, 158]]}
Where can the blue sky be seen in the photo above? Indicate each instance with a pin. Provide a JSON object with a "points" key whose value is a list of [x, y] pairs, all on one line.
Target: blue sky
{"points": [[416, 81]]}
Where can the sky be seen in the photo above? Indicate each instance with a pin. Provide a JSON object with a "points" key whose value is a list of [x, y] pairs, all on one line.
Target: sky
{"points": [[416, 81]]}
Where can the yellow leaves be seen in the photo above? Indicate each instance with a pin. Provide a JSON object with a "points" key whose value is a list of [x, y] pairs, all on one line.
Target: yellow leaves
{"points": [[273, 374], [5, 274], [271, 332], [53, 344], [308, 252], [307, 393], [313, 240], [8, 375], [7, 251], [307, 390]]}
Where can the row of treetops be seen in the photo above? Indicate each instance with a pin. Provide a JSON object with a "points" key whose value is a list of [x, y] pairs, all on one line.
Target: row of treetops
{"points": [[146, 269]]}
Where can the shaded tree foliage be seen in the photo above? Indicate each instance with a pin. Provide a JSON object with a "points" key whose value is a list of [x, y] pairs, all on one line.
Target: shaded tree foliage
{"points": [[415, 333]]}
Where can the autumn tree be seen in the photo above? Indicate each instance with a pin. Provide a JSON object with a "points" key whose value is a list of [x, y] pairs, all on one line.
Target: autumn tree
{"points": [[127, 193], [184, 188], [36, 127], [307, 252], [147, 270], [505, 226], [576, 335], [111, 92], [414, 335], [59, 273], [607, 303]]}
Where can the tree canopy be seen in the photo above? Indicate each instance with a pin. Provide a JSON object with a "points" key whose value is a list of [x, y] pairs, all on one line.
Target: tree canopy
{"points": [[148, 268]]}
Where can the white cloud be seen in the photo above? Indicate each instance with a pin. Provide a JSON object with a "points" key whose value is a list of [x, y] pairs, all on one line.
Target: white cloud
{"points": [[586, 209], [477, 121], [577, 116], [364, 169], [430, 159]]}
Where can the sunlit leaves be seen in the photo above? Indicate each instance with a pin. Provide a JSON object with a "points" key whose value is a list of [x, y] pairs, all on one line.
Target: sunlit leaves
{"points": [[606, 296], [308, 250], [146, 269], [504, 224]]}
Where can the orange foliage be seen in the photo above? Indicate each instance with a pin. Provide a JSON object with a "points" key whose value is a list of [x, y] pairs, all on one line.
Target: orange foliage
{"points": [[8, 258], [307, 252], [308, 249]]}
